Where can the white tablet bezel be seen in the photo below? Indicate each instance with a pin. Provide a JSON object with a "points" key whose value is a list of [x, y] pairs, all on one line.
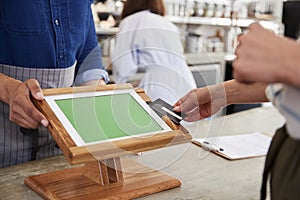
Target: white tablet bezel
{"points": [[72, 131]]}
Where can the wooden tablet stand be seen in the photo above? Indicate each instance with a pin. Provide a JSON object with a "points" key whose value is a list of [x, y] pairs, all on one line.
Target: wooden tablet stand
{"points": [[104, 175]]}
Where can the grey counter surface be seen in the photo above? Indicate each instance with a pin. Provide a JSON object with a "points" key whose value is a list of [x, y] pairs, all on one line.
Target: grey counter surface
{"points": [[204, 175]]}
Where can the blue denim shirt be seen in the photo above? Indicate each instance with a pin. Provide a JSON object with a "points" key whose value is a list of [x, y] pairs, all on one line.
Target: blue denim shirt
{"points": [[50, 34]]}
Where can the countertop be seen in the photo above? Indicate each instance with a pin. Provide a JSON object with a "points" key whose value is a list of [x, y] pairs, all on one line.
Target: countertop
{"points": [[204, 175]]}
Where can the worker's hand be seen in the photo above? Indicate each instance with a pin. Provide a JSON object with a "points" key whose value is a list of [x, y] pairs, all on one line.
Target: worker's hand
{"points": [[202, 102], [22, 110], [259, 56]]}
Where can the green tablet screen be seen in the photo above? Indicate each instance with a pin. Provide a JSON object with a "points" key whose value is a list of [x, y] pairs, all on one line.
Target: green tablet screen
{"points": [[105, 117]]}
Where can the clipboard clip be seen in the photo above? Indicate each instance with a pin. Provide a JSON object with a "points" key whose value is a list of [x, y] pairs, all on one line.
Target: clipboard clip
{"points": [[207, 146]]}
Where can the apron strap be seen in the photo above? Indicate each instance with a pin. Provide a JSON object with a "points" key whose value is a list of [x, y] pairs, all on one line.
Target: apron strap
{"points": [[275, 146], [33, 134]]}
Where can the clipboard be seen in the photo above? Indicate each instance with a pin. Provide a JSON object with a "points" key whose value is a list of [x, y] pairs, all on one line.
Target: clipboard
{"points": [[237, 146]]}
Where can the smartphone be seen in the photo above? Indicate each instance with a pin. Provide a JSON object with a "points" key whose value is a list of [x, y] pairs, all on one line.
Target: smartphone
{"points": [[163, 108]]}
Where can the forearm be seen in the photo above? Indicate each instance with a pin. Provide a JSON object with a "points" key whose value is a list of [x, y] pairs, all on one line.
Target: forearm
{"points": [[6, 85], [245, 93], [290, 73]]}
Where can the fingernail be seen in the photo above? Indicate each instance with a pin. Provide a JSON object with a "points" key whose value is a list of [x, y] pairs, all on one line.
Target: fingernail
{"points": [[176, 108], [44, 122], [40, 95]]}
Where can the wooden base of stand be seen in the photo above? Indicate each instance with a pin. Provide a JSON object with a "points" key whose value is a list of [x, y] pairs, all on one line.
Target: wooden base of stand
{"points": [[77, 183]]}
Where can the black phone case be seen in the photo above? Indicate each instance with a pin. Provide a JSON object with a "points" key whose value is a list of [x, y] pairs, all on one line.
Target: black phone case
{"points": [[157, 106]]}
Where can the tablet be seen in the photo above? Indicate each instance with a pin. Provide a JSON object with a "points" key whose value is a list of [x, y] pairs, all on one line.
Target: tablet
{"points": [[97, 117]]}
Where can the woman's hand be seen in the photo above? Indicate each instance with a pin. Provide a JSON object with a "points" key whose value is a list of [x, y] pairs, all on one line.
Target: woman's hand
{"points": [[202, 102], [22, 110]]}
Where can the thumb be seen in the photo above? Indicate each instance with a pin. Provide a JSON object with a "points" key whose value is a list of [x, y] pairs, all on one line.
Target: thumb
{"points": [[35, 89]]}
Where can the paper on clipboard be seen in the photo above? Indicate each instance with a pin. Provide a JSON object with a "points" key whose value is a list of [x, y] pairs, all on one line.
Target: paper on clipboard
{"points": [[237, 146]]}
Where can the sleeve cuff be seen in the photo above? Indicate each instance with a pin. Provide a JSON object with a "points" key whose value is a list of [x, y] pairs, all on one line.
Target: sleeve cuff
{"points": [[90, 75], [273, 90]]}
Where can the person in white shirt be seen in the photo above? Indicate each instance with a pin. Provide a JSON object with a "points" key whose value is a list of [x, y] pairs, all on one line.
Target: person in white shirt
{"points": [[267, 67], [148, 42]]}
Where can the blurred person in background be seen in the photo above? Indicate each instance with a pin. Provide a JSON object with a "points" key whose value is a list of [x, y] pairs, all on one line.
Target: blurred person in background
{"points": [[147, 42]]}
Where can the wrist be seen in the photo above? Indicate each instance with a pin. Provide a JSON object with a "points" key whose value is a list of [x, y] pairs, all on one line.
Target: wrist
{"points": [[94, 83], [218, 93], [245, 93], [290, 75], [231, 91]]}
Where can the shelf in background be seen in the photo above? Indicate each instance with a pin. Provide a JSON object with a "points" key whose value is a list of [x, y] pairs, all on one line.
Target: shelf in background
{"points": [[226, 22], [212, 21]]}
